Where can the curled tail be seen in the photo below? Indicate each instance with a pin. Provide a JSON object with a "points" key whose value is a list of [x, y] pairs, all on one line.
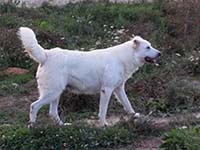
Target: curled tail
{"points": [[29, 41]]}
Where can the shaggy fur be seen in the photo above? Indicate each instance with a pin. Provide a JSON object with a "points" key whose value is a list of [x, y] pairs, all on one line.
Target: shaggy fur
{"points": [[103, 71]]}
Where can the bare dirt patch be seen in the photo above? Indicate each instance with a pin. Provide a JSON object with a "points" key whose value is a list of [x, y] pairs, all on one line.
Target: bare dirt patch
{"points": [[15, 71], [150, 143], [6, 102], [21, 103], [160, 123]]}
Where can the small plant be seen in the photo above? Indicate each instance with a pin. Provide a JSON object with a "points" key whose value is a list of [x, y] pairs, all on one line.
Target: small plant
{"points": [[182, 139], [8, 6]]}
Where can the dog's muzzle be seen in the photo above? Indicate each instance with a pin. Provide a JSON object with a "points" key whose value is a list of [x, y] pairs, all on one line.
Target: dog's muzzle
{"points": [[152, 60]]}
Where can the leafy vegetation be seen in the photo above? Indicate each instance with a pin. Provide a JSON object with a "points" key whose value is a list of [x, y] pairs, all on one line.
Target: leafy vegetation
{"points": [[13, 137], [76, 26], [182, 139]]}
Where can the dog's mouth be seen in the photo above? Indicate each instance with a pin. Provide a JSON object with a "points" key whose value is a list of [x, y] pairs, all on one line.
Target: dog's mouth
{"points": [[150, 60]]}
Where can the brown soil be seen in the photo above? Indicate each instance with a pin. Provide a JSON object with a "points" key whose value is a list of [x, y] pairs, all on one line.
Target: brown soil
{"points": [[20, 103], [6, 102], [164, 123], [15, 71], [150, 143]]}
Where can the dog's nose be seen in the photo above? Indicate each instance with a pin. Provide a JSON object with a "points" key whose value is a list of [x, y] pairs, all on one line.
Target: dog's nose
{"points": [[159, 54]]}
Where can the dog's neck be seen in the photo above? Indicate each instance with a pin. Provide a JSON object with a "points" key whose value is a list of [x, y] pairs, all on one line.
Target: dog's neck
{"points": [[128, 58], [131, 66]]}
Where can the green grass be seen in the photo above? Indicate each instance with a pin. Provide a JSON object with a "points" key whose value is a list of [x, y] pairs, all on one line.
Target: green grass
{"points": [[12, 84], [14, 137], [13, 116], [182, 139], [75, 17]]}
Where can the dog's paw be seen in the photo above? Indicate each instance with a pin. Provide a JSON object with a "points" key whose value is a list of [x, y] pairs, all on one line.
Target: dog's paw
{"points": [[103, 124], [31, 125], [60, 123], [137, 115], [67, 124]]}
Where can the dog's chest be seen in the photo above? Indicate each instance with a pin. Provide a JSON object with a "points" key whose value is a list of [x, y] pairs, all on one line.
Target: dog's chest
{"points": [[129, 72]]}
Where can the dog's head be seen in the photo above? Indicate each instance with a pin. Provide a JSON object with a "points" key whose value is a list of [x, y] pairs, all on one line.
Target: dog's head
{"points": [[144, 51]]}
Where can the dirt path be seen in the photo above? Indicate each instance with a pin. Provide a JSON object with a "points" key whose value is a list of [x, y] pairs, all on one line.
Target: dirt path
{"points": [[164, 123]]}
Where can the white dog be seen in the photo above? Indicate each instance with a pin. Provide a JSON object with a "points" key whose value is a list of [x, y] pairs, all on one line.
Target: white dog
{"points": [[103, 71]]}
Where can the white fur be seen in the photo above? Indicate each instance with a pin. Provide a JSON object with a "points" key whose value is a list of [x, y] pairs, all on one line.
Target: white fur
{"points": [[31, 45], [101, 71]]}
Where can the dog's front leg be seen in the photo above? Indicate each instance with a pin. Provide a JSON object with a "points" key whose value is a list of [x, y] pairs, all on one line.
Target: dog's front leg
{"points": [[104, 101], [122, 97]]}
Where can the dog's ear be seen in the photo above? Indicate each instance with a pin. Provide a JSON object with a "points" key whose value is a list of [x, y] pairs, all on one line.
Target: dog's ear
{"points": [[136, 43]]}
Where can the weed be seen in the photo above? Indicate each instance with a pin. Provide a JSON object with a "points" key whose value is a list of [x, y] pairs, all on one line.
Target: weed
{"points": [[178, 139], [9, 6], [13, 137]]}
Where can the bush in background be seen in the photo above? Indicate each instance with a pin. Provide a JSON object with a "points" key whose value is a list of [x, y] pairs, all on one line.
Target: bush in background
{"points": [[184, 25]]}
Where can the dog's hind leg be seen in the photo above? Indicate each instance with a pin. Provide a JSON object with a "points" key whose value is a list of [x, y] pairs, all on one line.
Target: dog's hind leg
{"points": [[44, 99], [53, 111], [104, 100]]}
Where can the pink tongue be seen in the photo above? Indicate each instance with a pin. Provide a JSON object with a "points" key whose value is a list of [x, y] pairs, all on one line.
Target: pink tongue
{"points": [[148, 59]]}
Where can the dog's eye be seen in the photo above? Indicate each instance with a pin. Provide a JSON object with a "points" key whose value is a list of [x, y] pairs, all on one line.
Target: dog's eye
{"points": [[148, 47]]}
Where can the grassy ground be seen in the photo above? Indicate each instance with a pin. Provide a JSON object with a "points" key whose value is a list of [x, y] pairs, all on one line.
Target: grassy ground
{"points": [[168, 88]]}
